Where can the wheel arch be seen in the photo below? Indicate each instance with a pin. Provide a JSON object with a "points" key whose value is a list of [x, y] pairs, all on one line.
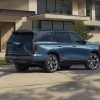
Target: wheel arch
{"points": [[55, 53], [96, 53]]}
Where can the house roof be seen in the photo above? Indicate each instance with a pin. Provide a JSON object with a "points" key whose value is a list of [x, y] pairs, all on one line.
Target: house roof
{"points": [[54, 16], [16, 12]]}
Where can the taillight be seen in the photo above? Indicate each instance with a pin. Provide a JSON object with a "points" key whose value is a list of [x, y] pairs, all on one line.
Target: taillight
{"points": [[34, 47]]}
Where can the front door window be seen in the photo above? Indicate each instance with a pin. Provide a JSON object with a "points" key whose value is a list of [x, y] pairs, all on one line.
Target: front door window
{"points": [[61, 37], [74, 38]]}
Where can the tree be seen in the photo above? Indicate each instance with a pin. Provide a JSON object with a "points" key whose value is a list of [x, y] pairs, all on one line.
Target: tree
{"points": [[81, 29]]}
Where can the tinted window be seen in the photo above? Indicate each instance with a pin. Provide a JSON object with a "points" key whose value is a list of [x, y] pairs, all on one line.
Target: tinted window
{"points": [[21, 37], [97, 10], [58, 25], [46, 24], [74, 38], [41, 6], [62, 37], [43, 36], [88, 7]]}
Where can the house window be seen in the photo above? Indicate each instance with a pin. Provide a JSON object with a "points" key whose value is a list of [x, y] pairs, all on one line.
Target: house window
{"points": [[46, 24], [59, 6], [52, 25], [97, 10], [64, 6], [88, 7], [67, 7], [41, 6], [58, 25], [35, 24], [50, 6], [67, 25], [55, 6]]}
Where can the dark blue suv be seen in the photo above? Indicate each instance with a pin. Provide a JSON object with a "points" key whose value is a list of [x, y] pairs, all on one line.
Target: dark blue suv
{"points": [[50, 50]]}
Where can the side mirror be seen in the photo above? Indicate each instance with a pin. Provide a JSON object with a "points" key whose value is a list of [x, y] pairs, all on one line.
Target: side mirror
{"points": [[84, 41]]}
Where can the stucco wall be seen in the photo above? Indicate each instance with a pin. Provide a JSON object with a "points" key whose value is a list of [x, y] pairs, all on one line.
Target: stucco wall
{"points": [[7, 29], [14, 4], [26, 26], [96, 36]]}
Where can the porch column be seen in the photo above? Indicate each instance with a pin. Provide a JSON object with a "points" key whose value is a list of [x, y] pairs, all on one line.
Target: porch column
{"points": [[93, 10], [33, 5], [74, 7], [84, 7]]}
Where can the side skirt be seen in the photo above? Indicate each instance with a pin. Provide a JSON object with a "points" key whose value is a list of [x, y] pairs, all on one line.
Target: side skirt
{"points": [[72, 63]]}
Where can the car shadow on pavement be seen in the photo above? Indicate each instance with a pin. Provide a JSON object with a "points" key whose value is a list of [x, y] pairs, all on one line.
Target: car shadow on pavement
{"points": [[7, 70], [80, 87]]}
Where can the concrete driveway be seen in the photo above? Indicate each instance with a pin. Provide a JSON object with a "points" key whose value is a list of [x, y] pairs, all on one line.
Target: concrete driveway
{"points": [[74, 84]]}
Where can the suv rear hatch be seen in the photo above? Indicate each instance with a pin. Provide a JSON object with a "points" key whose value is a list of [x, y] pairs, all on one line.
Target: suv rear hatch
{"points": [[20, 44]]}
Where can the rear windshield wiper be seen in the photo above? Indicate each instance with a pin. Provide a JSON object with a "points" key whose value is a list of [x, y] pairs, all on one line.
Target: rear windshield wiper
{"points": [[16, 43]]}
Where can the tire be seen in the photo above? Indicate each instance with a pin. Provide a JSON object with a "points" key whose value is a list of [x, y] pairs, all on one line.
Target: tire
{"points": [[51, 63], [21, 67], [93, 62], [66, 67]]}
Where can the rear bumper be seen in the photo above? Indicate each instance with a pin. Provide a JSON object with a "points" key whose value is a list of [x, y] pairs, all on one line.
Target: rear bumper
{"points": [[24, 60], [18, 59]]}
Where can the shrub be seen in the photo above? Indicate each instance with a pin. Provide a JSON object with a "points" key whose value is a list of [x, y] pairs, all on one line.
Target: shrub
{"points": [[81, 29]]}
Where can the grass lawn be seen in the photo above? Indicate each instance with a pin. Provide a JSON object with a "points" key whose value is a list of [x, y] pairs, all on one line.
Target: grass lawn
{"points": [[3, 62]]}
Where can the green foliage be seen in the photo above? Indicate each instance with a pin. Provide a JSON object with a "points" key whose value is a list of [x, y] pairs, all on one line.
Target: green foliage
{"points": [[81, 29], [3, 62]]}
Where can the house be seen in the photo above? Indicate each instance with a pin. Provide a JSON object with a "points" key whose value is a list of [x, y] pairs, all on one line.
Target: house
{"points": [[47, 14]]}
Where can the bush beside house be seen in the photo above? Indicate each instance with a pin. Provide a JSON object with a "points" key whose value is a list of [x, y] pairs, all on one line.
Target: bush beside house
{"points": [[81, 29]]}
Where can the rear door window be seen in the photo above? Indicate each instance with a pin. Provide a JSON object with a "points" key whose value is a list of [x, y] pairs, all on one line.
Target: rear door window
{"points": [[43, 36]]}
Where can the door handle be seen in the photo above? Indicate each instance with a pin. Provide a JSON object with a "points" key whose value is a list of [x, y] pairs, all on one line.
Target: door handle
{"points": [[59, 46], [74, 45]]}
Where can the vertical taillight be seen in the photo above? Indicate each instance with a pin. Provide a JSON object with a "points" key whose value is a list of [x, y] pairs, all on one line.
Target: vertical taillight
{"points": [[34, 47]]}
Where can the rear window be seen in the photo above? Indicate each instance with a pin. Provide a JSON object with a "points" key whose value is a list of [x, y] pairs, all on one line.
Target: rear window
{"points": [[43, 36], [21, 37]]}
